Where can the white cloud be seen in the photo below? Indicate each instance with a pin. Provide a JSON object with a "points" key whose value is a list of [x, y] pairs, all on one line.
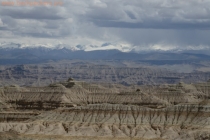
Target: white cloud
{"points": [[162, 47], [1, 23]]}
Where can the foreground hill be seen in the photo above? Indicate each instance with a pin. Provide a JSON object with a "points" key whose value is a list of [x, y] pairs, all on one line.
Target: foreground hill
{"points": [[79, 110]]}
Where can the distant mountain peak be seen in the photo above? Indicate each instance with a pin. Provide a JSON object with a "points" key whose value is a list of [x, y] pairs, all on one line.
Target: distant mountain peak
{"points": [[45, 46], [122, 47], [105, 46]]}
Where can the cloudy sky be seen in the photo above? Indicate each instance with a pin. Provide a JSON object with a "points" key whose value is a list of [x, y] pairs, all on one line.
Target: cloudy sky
{"points": [[143, 24]]}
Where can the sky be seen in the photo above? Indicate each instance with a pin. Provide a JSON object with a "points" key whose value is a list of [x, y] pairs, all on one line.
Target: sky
{"points": [[139, 24]]}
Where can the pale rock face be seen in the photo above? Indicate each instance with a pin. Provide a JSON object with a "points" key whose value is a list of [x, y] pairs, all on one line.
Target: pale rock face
{"points": [[79, 110]]}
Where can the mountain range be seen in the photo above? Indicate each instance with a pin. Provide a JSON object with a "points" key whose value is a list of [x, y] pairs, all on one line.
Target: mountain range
{"points": [[23, 54]]}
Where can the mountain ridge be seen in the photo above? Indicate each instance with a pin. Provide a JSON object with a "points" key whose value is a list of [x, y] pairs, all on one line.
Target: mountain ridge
{"points": [[105, 46], [17, 54]]}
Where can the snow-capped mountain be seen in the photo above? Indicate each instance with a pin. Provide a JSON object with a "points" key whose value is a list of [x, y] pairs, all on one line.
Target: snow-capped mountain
{"points": [[108, 46], [15, 53], [105, 46], [122, 47], [46, 46]]}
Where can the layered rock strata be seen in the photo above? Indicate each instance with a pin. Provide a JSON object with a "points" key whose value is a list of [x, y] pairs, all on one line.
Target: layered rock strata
{"points": [[78, 110]]}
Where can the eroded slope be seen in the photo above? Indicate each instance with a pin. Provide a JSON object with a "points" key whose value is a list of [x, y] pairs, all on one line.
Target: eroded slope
{"points": [[70, 109]]}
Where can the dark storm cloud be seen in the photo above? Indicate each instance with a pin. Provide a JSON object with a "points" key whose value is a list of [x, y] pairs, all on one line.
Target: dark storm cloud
{"points": [[37, 13], [40, 35], [131, 15], [137, 22], [152, 24], [3, 28], [37, 22], [153, 14]]}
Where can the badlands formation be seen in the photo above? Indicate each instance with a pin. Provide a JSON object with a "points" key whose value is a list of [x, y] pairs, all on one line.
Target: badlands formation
{"points": [[118, 72], [78, 110]]}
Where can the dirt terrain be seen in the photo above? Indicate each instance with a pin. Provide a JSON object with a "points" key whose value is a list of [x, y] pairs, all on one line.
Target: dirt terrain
{"points": [[79, 110]]}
